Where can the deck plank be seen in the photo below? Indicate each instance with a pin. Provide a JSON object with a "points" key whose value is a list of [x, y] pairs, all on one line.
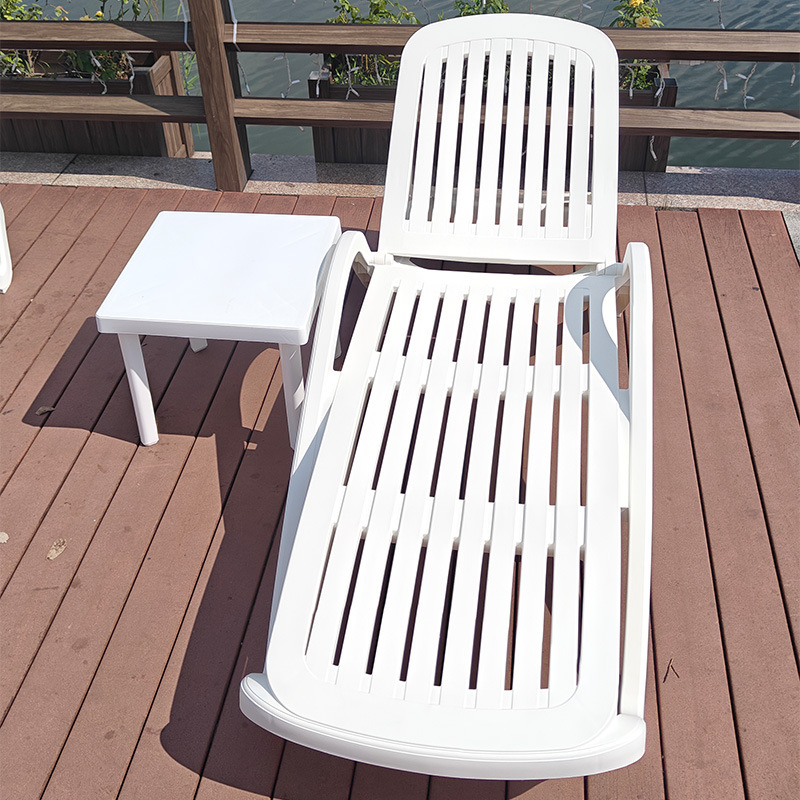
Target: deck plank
{"points": [[752, 616], [64, 285], [15, 197], [177, 735], [74, 515], [354, 212], [375, 783], [698, 740], [779, 278], [769, 414], [50, 457], [237, 203], [57, 362], [50, 451], [231, 772], [141, 643], [117, 700], [63, 670], [314, 204], [25, 228], [276, 204], [49, 244], [458, 789], [309, 773]]}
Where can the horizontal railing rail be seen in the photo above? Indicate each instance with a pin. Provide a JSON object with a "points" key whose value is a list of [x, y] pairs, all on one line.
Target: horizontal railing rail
{"points": [[655, 45], [703, 122], [211, 36]]}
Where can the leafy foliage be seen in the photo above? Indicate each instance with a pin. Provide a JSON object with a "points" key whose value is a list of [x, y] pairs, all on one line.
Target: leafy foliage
{"points": [[468, 8], [100, 65], [381, 12], [20, 62], [637, 74], [637, 14], [375, 70]]}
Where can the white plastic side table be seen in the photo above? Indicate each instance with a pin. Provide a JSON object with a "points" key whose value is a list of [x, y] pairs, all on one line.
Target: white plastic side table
{"points": [[199, 275]]}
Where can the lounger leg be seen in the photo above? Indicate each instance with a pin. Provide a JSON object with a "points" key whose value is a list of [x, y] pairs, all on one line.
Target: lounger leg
{"points": [[293, 388], [198, 344], [140, 389]]}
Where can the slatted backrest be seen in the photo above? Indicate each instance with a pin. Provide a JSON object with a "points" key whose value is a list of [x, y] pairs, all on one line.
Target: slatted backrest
{"points": [[504, 143]]}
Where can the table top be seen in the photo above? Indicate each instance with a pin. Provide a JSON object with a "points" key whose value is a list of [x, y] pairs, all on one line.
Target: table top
{"points": [[249, 277]]}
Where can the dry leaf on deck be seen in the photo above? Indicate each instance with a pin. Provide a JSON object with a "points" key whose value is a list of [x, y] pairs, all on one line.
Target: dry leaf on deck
{"points": [[59, 545], [44, 410], [3, 537]]}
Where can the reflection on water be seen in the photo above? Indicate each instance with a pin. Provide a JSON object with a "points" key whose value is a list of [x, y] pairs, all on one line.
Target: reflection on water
{"points": [[771, 86]]}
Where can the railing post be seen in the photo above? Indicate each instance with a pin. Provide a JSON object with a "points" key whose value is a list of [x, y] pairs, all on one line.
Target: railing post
{"points": [[229, 150]]}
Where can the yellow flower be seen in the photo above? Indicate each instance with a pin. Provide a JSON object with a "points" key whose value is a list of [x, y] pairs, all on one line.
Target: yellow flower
{"points": [[635, 3], [644, 22], [99, 14]]}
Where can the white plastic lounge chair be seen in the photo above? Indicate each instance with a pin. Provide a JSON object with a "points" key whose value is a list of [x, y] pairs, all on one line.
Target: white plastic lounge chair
{"points": [[434, 609], [5, 255]]}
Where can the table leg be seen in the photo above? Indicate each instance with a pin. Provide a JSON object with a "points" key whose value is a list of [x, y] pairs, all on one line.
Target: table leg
{"points": [[294, 390], [140, 389]]}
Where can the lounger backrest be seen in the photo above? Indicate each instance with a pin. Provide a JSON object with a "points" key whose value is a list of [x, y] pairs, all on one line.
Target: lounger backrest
{"points": [[504, 143]]}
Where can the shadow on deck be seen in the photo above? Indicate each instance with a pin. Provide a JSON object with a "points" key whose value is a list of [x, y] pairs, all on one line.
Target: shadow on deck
{"points": [[137, 581]]}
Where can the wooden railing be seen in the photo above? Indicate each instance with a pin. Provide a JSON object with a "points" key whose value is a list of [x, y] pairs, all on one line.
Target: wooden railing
{"points": [[226, 113]]}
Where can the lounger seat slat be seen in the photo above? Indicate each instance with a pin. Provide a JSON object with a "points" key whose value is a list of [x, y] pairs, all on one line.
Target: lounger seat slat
{"points": [[444, 524], [501, 568], [415, 519], [358, 635], [478, 464], [536, 530], [333, 595]]}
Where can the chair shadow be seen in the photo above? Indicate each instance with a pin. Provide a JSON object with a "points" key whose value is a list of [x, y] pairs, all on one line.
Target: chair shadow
{"points": [[195, 719]]}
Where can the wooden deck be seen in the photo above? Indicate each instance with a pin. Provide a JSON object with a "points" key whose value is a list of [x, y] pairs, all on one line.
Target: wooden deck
{"points": [[137, 581]]}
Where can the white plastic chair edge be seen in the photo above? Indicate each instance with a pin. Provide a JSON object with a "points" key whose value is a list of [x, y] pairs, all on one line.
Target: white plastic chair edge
{"points": [[352, 248], [5, 254], [637, 274]]}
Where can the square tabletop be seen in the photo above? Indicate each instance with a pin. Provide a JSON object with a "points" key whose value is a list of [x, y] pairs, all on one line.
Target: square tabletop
{"points": [[249, 277]]}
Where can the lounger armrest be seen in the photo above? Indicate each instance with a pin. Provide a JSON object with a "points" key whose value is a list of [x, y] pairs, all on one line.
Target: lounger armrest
{"points": [[351, 250], [637, 277]]}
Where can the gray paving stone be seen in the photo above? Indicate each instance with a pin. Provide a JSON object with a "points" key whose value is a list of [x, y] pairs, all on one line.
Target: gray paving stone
{"points": [[140, 172], [723, 187], [41, 168], [679, 187]]}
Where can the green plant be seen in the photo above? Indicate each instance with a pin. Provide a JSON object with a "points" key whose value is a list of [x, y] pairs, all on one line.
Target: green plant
{"points": [[19, 62], [468, 8], [381, 12], [637, 14], [102, 65], [376, 70], [637, 74], [105, 65], [372, 70]]}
